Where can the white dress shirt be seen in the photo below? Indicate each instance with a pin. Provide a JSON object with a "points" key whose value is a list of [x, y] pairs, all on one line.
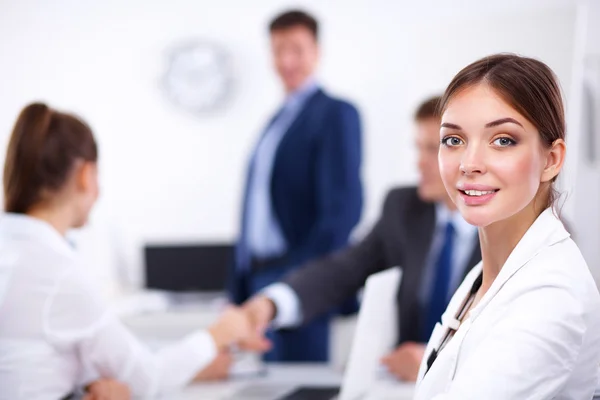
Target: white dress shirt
{"points": [[56, 333], [289, 309], [535, 334]]}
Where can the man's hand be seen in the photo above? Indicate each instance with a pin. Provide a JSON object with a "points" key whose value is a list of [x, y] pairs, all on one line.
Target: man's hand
{"points": [[107, 389], [260, 310], [218, 369], [235, 326], [404, 362]]}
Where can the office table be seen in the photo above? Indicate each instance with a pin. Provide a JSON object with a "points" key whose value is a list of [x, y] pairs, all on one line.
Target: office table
{"points": [[281, 378], [161, 327]]}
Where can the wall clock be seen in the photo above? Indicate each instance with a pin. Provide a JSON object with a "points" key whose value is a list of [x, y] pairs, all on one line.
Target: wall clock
{"points": [[198, 77]]}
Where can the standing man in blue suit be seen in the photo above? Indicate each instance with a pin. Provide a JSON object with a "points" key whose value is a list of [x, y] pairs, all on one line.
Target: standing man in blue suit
{"points": [[303, 191]]}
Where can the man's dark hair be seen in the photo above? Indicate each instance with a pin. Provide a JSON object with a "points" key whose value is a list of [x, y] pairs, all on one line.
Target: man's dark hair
{"points": [[428, 109], [293, 18]]}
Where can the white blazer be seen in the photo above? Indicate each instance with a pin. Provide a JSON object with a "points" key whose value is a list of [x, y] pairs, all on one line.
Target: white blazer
{"points": [[56, 332], [534, 335]]}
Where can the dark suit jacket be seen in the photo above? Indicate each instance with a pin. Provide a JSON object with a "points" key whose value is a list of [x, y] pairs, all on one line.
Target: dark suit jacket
{"points": [[316, 191], [401, 237]]}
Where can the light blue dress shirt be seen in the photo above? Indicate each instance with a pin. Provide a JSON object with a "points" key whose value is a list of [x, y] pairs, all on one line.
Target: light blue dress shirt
{"points": [[263, 233], [289, 309], [464, 242]]}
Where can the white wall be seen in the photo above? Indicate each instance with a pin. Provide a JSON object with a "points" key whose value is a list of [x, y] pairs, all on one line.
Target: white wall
{"points": [[169, 176], [581, 175]]}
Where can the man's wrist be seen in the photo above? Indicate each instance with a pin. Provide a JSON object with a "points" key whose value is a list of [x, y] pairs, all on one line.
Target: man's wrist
{"points": [[272, 308], [285, 311]]}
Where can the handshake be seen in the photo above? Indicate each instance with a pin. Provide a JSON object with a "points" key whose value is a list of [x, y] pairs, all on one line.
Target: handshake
{"points": [[245, 326]]}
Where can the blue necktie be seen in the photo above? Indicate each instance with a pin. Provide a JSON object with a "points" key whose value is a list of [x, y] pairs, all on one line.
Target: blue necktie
{"points": [[439, 296]]}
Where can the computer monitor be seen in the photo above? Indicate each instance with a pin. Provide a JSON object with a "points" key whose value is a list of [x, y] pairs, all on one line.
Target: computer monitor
{"points": [[187, 267]]}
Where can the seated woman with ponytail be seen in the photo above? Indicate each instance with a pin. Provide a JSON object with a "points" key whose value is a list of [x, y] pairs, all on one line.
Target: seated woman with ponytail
{"points": [[55, 332]]}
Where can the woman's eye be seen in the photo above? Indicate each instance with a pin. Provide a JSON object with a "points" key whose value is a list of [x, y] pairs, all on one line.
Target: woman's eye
{"points": [[452, 141], [504, 142]]}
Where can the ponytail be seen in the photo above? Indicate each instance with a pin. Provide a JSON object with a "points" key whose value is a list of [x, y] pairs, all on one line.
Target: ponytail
{"points": [[41, 152]]}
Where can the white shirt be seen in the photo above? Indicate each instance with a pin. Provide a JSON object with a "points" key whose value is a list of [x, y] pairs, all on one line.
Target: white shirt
{"points": [[289, 309], [56, 333], [535, 334]]}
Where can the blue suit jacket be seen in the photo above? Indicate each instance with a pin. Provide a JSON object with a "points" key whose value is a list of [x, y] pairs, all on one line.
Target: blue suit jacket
{"points": [[316, 190]]}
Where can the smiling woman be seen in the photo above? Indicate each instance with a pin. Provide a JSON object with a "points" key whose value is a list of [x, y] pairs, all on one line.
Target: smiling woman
{"points": [[525, 323], [513, 116]]}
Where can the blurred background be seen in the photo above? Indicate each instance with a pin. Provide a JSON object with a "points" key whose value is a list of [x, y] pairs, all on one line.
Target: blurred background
{"points": [[177, 92]]}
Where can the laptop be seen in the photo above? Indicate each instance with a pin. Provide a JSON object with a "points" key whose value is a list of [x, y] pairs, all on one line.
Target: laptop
{"points": [[375, 336]]}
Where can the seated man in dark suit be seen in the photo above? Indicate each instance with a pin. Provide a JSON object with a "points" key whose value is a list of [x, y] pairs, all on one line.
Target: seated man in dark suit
{"points": [[419, 230]]}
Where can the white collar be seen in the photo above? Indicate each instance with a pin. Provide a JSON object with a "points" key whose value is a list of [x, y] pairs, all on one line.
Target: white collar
{"points": [[21, 225], [545, 231]]}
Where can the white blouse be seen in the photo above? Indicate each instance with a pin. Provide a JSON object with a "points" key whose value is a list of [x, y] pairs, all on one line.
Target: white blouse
{"points": [[56, 333], [534, 335]]}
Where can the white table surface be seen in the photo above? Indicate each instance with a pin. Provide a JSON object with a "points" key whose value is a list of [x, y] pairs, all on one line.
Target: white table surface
{"points": [[165, 325], [282, 378]]}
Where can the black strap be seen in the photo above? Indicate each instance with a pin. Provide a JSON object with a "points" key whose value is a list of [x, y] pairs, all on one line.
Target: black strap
{"points": [[474, 289]]}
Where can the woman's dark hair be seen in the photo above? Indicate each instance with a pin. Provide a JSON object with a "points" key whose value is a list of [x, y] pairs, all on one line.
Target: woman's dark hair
{"points": [[42, 151], [527, 85]]}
